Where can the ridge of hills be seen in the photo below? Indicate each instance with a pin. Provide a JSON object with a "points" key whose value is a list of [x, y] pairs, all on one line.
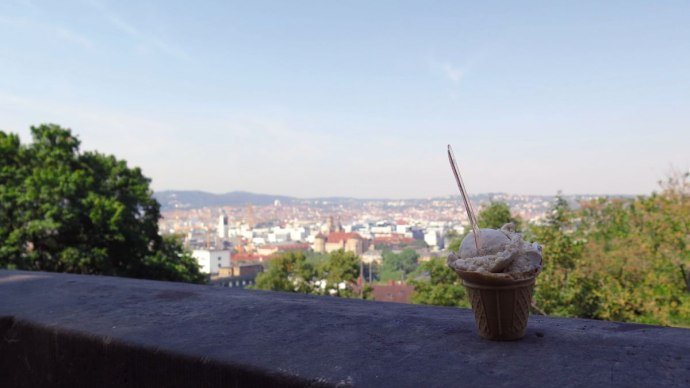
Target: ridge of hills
{"points": [[194, 199]]}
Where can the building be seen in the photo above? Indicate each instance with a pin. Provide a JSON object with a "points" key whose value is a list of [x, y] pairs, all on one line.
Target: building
{"points": [[240, 275], [211, 260], [382, 228], [402, 227], [298, 234], [223, 226], [241, 270], [349, 242], [433, 239], [278, 235], [319, 245]]}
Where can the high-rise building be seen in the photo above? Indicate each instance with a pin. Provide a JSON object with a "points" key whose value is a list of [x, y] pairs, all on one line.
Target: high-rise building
{"points": [[223, 225], [251, 222]]}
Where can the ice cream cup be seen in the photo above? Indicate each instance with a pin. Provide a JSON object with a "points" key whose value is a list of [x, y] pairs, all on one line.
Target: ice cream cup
{"points": [[500, 302]]}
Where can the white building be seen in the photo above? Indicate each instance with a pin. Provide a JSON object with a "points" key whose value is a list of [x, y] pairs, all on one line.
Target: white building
{"points": [[382, 228], [211, 260], [278, 235], [432, 238], [298, 234], [223, 226], [248, 234], [403, 229], [258, 241]]}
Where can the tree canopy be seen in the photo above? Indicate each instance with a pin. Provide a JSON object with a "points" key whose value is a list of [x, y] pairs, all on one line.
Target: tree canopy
{"points": [[436, 284], [496, 215], [335, 274], [290, 272], [82, 212], [398, 265]]}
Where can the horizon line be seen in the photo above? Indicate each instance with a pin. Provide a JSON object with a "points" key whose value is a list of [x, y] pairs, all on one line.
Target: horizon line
{"points": [[403, 199]]}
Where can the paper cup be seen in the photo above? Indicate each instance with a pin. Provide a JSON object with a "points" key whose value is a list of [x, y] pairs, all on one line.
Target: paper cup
{"points": [[500, 303]]}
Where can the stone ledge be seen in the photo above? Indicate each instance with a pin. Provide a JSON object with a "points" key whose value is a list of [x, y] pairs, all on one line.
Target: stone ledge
{"points": [[72, 330]]}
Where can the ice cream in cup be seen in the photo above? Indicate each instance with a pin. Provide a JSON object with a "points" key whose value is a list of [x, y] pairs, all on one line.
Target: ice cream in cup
{"points": [[498, 269], [499, 278]]}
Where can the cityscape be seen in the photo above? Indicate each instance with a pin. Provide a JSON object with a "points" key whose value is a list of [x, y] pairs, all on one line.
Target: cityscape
{"points": [[233, 243]]}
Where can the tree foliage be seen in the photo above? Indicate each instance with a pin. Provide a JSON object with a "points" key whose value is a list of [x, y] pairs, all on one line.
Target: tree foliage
{"points": [[497, 214], [341, 267], [638, 248], [396, 266], [335, 274], [613, 258], [436, 284], [290, 273], [561, 252], [67, 211]]}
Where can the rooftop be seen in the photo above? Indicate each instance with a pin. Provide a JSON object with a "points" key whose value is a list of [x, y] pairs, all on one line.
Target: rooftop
{"points": [[335, 237]]}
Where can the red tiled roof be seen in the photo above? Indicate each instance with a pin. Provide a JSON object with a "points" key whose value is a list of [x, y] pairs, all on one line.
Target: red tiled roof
{"points": [[396, 293], [342, 236], [245, 257]]}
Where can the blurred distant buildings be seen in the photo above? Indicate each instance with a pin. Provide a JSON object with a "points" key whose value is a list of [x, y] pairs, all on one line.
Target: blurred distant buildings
{"points": [[257, 233]]}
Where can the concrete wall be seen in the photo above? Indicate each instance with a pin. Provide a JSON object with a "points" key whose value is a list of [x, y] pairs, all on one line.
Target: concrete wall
{"points": [[76, 330]]}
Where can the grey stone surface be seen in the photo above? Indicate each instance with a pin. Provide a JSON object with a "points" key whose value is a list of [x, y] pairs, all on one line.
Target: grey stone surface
{"points": [[89, 330]]}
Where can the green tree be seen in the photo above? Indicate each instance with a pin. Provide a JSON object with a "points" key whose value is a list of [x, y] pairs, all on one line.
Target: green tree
{"points": [[617, 259], [454, 245], [289, 272], [496, 215], [335, 274], [561, 250], [636, 250], [342, 269], [397, 265], [436, 284], [171, 262], [67, 211]]}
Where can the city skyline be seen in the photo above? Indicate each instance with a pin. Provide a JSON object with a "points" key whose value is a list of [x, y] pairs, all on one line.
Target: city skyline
{"points": [[359, 99]]}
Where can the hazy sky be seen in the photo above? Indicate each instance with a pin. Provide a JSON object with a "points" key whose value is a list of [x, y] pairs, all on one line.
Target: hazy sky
{"points": [[360, 98]]}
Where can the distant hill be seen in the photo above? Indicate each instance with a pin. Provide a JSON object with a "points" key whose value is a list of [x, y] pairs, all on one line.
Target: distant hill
{"points": [[176, 199], [194, 199]]}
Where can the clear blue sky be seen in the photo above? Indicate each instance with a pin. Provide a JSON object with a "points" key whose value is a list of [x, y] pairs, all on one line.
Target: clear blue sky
{"points": [[360, 98]]}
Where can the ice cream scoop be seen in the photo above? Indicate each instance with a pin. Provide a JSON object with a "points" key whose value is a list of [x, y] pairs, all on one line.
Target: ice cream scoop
{"points": [[500, 251]]}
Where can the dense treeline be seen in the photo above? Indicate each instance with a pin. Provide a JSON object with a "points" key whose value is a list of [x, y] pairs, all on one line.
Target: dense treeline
{"points": [[617, 259], [82, 212], [612, 259]]}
